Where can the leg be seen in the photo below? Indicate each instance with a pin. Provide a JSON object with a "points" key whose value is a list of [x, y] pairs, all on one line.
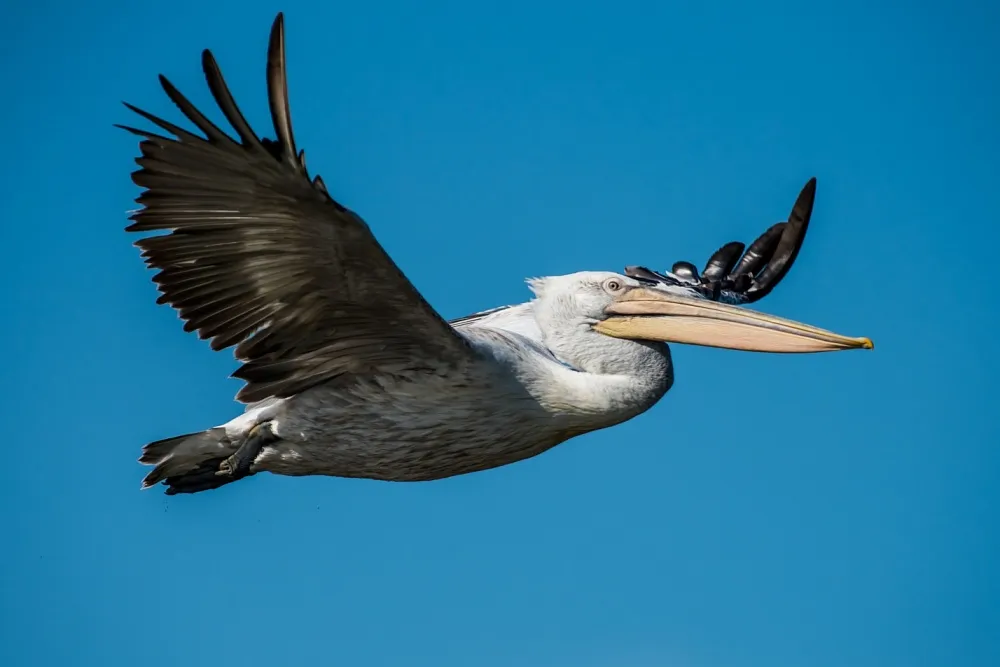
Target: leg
{"points": [[238, 465]]}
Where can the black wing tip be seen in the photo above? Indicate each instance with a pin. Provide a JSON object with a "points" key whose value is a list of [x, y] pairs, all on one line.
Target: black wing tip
{"points": [[808, 192], [278, 25], [789, 244], [276, 41], [802, 209], [277, 94], [208, 59], [167, 86], [754, 275], [224, 99]]}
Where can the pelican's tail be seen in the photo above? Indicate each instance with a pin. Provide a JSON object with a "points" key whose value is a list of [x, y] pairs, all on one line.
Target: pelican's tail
{"points": [[189, 463]]}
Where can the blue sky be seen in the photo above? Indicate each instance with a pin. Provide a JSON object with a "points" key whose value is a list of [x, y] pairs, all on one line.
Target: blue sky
{"points": [[820, 510]]}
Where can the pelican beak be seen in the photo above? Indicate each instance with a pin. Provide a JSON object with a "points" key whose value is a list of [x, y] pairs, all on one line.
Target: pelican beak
{"points": [[653, 314]]}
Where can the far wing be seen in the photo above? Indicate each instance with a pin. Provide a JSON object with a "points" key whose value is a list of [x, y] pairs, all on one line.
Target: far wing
{"points": [[732, 276]]}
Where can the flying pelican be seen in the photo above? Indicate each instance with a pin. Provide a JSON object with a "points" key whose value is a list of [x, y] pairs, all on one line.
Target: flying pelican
{"points": [[349, 372]]}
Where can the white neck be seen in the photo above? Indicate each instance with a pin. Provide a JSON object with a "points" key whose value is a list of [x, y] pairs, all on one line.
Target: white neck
{"points": [[575, 374], [606, 380]]}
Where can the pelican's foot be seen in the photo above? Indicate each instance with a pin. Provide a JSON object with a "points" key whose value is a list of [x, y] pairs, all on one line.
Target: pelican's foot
{"points": [[238, 465]]}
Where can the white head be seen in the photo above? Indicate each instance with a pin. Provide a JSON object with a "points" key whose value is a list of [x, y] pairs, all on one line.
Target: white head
{"points": [[598, 321], [567, 308]]}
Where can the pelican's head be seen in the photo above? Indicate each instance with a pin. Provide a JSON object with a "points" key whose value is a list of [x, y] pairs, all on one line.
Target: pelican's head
{"points": [[625, 307], [668, 314]]}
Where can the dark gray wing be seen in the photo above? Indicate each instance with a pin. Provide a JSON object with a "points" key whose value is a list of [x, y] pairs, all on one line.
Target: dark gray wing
{"points": [[732, 276], [261, 257]]}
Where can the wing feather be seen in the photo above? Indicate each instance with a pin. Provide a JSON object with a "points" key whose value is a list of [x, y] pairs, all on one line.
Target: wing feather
{"points": [[734, 279], [259, 256]]}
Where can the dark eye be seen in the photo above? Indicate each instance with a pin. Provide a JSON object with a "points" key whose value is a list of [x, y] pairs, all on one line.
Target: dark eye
{"points": [[613, 285]]}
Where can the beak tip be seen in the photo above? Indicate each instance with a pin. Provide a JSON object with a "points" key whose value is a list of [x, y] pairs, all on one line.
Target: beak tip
{"points": [[867, 344]]}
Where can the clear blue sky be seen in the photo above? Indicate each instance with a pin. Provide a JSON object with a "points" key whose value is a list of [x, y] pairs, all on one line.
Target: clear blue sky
{"points": [[830, 510]]}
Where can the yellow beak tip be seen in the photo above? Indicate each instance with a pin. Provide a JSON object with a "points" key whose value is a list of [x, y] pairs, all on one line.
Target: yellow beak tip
{"points": [[867, 344]]}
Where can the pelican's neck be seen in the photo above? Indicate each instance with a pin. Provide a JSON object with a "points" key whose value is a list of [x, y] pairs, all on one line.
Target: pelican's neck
{"points": [[605, 380], [574, 373]]}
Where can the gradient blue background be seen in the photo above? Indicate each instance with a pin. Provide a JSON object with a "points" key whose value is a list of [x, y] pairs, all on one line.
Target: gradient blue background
{"points": [[832, 510]]}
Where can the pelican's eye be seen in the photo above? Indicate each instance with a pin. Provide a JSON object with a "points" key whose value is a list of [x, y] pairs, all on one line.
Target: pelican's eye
{"points": [[613, 285]]}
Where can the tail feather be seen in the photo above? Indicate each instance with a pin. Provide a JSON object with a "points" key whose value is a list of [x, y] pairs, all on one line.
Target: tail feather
{"points": [[184, 461], [204, 477]]}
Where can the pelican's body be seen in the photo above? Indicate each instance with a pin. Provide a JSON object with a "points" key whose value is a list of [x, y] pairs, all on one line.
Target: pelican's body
{"points": [[351, 373], [513, 402], [513, 399]]}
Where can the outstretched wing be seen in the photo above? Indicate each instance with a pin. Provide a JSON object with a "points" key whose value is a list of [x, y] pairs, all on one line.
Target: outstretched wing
{"points": [[732, 276], [261, 257]]}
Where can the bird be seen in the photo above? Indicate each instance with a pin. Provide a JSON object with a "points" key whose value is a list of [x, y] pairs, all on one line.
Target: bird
{"points": [[349, 372]]}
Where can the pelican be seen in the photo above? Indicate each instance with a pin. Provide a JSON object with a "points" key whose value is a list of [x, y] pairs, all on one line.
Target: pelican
{"points": [[349, 372]]}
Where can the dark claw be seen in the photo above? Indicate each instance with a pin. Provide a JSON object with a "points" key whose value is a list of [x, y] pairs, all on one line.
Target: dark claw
{"points": [[735, 279]]}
